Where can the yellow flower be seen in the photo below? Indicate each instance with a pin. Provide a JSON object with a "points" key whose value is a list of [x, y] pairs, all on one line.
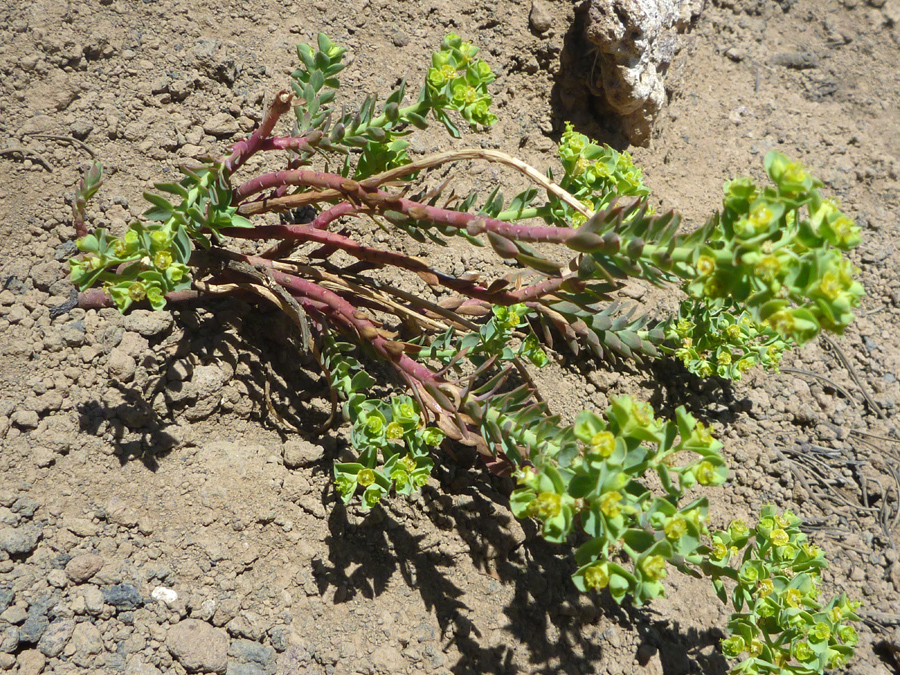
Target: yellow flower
{"points": [[779, 537], [705, 265], [821, 631], [162, 260], [831, 286], [733, 646], [365, 477], [782, 321], [765, 588], [792, 597], [802, 651], [705, 433], [767, 268], [794, 172], [675, 528], [706, 473], [848, 635], [738, 529], [603, 443], [643, 414], [719, 551], [596, 577], [545, 506], [581, 165], [654, 566], [137, 291], [760, 216], [609, 504]]}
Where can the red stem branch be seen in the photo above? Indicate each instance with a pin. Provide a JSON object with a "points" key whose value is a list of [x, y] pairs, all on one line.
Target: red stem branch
{"points": [[244, 150], [381, 201], [380, 257]]}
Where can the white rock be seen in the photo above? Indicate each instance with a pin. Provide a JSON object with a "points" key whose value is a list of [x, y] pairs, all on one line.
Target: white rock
{"points": [[635, 42], [164, 595]]}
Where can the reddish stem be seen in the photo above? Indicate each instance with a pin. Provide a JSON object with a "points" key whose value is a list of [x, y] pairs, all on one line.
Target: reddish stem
{"points": [[303, 143], [346, 313], [381, 201], [244, 150], [360, 252], [324, 219]]}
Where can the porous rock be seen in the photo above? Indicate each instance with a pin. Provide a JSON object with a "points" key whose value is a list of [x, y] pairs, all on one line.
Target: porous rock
{"points": [[148, 323], [9, 639], [635, 41], [252, 652], [540, 17], [86, 639], [122, 596], [33, 628], [221, 124], [198, 646], [120, 365]]}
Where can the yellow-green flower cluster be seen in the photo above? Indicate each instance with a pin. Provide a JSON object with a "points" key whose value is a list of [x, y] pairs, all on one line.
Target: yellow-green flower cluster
{"points": [[600, 489], [595, 174], [458, 81], [779, 252], [394, 449], [144, 264], [720, 339], [151, 259], [781, 626]]}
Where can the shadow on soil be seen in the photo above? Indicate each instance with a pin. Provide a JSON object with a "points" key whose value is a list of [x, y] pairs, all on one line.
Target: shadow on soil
{"points": [[558, 626], [252, 351]]}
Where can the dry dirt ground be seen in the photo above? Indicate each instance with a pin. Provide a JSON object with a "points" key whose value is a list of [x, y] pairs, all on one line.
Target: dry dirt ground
{"points": [[136, 452]]}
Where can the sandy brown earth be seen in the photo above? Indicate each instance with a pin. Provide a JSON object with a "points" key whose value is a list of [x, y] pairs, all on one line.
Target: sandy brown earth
{"points": [[137, 452]]}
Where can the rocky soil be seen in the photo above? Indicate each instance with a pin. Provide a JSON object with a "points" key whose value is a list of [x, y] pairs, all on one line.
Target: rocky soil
{"points": [[154, 518]]}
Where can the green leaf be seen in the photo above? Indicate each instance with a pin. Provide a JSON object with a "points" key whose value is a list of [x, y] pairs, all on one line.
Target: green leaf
{"points": [[240, 221], [325, 45], [417, 120], [162, 209], [172, 188], [316, 80]]}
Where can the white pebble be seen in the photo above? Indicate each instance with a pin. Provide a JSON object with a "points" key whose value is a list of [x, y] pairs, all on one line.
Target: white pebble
{"points": [[164, 595]]}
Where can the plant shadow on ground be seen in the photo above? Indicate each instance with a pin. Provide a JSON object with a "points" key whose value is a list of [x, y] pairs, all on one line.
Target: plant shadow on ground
{"points": [[211, 332], [547, 615], [672, 385]]}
